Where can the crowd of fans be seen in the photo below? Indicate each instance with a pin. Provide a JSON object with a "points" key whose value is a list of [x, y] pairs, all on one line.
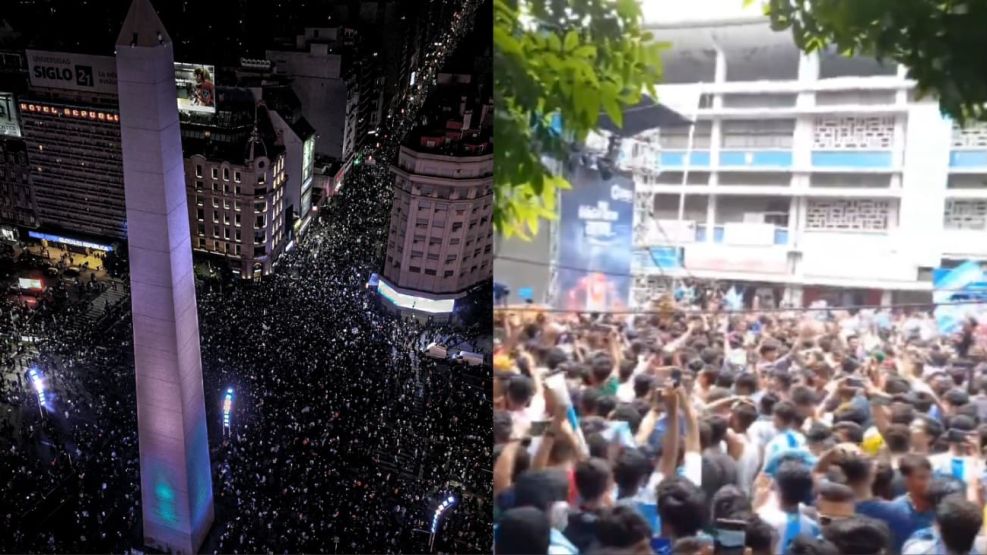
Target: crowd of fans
{"points": [[343, 437], [692, 429]]}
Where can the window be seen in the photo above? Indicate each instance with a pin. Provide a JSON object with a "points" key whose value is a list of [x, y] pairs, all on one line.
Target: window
{"points": [[215, 203], [236, 219], [226, 204], [456, 226], [236, 205], [198, 171], [215, 216], [215, 173], [237, 235], [236, 249], [215, 232], [236, 177], [414, 269], [433, 257], [454, 241], [226, 218], [226, 233], [198, 185], [198, 200], [450, 259], [226, 188], [448, 273], [429, 272], [215, 187], [202, 229], [226, 174], [416, 254]]}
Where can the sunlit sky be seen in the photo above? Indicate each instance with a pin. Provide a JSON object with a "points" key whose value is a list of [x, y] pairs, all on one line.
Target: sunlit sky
{"points": [[666, 11]]}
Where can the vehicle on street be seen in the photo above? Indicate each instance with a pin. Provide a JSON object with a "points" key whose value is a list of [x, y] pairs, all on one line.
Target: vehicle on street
{"points": [[436, 351]]}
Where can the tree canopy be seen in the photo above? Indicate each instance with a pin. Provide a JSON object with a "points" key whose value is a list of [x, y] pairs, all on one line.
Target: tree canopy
{"points": [[942, 42], [559, 60]]}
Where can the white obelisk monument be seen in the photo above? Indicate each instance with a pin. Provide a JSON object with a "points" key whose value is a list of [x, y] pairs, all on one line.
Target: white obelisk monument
{"points": [[176, 486]]}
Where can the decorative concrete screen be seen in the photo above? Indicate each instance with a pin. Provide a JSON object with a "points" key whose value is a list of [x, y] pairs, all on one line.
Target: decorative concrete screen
{"points": [[973, 136], [853, 133], [965, 214], [848, 215]]}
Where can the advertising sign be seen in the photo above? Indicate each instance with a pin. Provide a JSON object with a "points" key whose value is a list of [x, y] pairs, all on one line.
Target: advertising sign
{"points": [[595, 234], [960, 292], [308, 160], [195, 86], [724, 258], [8, 116], [74, 72]]}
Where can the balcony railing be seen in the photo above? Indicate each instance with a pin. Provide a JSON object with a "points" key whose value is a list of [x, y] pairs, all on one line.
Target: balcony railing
{"points": [[719, 233]]}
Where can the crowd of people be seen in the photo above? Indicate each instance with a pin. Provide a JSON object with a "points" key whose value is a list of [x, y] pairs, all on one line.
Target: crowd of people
{"points": [[342, 438], [693, 429]]}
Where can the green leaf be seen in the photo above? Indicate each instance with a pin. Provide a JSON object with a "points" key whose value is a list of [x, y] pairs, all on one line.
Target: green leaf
{"points": [[571, 41]]}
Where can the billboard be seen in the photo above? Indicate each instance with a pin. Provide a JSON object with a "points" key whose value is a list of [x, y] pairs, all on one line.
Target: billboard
{"points": [[308, 159], [195, 86], [74, 72], [8, 116], [595, 233]]}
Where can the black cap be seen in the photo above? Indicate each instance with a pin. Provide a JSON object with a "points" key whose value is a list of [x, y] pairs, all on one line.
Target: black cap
{"points": [[522, 531]]}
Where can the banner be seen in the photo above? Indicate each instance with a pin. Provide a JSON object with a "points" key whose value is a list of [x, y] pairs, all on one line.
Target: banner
{"points": [[595, 235], [962, 291]]}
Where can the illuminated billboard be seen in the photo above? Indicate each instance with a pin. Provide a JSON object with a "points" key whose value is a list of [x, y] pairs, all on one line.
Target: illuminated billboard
{"points": [[415, 303], [196, 89], [308, 159], [28, 283], [8, 116], [74, 72]]}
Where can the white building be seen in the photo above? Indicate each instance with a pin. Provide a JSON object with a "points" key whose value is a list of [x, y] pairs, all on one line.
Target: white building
{"points": [[327, 86], [440, 240], [808, 176]]}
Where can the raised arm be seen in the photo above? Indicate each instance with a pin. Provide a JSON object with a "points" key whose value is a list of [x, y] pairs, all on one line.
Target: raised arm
{"points": [[670, 442]]}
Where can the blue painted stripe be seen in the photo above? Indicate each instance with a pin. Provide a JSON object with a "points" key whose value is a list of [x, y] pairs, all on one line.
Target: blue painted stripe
{"points": [[675, 158], [968, 159], [850, 159], [756, 158]]}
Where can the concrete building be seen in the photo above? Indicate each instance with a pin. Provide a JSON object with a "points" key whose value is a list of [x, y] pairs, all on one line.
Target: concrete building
{"points": [[17, 206], [440, 239], [806, 177], [176, 482], [72, 134], [326, 81], [236, 178]]}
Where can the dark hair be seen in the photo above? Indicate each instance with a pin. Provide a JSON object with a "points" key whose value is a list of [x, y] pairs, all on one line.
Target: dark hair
{"points": [[834, 492], [592, 477], [910, 462], [807, 545], [602, 367], [681, 505], [859, 535], [520, 389], [854, 432], [642, 384], [598, 445], [802, 395], [622, 526], [588, 401], [959, 523], [956, 397], [554, 358], [630, 471], [730, 502], [688, 546], [897, 437], [932, 426], [540, 488], [626, 370], [605, 405], [746, 381], [784, 377], [759, 535], [942, 487], [856, 468], [794, 482], [522, 531], [785, 412], [717, 393], [818, 432], [767, 402], [745, 414], [881, 487], [627, 413]]}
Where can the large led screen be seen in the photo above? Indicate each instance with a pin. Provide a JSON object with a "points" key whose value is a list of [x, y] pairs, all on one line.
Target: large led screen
{"points": [[413, 302], [196, 89]]}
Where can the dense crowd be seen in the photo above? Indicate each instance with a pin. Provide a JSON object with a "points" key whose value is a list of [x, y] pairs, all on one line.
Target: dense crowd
{"points": [[691, 429], [343, 436]]}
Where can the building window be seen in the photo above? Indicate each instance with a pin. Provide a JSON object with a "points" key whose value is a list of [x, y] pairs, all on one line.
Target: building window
{"points": [[226, 174], [215, 216], [433, 257], [226, 218], [853, 132], [236, 249], [198, 170], [215, 187], [226, 204], [236, 176], [454, 241], [236, 205], [456, 226], [447, 273], [198, 200], [199, 185], [200, 214], [429, 272], [215, 202], [226, 233], [215, 232], [215, 173], [414, 269], [236, 219], [236, 235]]}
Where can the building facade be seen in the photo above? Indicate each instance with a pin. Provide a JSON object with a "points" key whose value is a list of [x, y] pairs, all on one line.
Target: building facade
{"points": [[17, 206], [805, 176], [440, 239], [235, 179], [76, 164], [324, 75]]}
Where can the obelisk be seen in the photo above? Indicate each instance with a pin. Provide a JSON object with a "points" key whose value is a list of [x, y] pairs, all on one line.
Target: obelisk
{"points": [[176, 487]]}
